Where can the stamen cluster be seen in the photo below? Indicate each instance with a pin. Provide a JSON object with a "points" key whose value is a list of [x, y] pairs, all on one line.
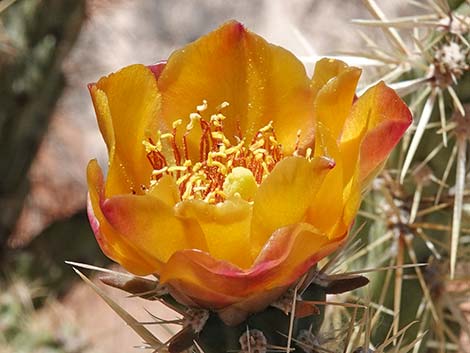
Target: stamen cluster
{"points": [[218, 155]]}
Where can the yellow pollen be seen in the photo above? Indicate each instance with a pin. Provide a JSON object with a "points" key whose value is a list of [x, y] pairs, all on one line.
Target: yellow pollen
{"points": [[268, 127], [160, 171], [177, 123], [176, 168], [166, 136], [193, 117], [224, 170], [308, 153], [202, 107], [149, 147]]}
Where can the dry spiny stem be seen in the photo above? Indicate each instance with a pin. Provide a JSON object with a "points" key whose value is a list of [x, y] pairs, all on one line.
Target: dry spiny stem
{"points": [[416, 204], [253, 341]]}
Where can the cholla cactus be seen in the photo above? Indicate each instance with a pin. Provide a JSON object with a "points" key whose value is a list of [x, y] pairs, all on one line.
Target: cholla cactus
{"points": [[231, 175], [187, 183], [428, 63]]}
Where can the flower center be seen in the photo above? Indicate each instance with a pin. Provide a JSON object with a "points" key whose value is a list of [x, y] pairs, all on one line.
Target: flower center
{"points": [[224, 169]]}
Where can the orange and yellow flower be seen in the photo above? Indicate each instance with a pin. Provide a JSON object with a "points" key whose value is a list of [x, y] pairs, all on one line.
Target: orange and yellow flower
{"points": [[231, 172]]}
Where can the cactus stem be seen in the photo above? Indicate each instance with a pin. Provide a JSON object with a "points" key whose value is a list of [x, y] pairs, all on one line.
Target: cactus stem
{"points": [[430, 156], [196, 319], [253, 341], [307, 341], [285, 302], [419, 273]]}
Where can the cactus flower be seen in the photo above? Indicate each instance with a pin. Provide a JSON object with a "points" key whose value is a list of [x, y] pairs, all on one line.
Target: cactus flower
{"points": [[231, 172]]}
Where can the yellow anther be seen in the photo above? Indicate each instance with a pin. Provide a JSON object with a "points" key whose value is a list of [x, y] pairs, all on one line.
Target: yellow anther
{"points": [[257, 145], [217, 117], [210, 198], [225, 170], [236, 148], [222, 106], [218, 154], [202, 107], [221, 137], [157, 172], [193, 117], [176, 168], [177, 123], [166, 135], [188, 190], [197, 166], [182, 179], [217, 135], [267, 128], [265, 168], [220, 166], [258, 156], [273, 140], [149, 147], [308, 153]]}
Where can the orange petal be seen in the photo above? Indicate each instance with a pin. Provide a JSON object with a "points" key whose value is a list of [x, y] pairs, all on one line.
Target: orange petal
{"points": [[377, 121], [261, 81], [352, 200], [113, 244], [327, 205], [226, 227], [284, 197], [326, 69], [334, 100], [126, 104], [335, 84], [216, 284], [151, 225], [166, 190]]}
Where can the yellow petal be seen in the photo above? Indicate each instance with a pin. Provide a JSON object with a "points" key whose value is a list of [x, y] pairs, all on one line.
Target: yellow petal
{"points": [[352, 201], [335, 84], [284, 197], [113, 244], [334, 100], [262, 82], [327, 205], [195, 277], [226, 227], [166, 190], [126, 104], [152, 226], [326, 69]]}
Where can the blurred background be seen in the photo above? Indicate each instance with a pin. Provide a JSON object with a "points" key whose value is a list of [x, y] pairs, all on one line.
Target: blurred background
{"points": [[49, 51]]}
